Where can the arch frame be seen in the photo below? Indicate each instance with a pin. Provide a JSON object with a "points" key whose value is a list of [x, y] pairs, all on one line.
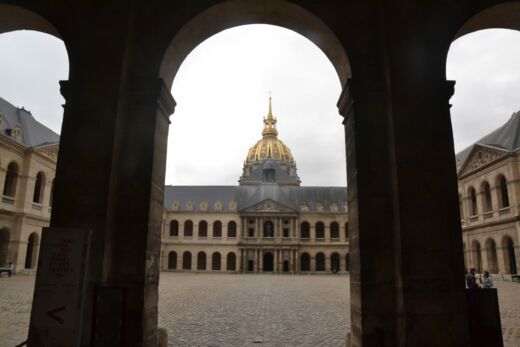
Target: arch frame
{"points": [[233, 13]]}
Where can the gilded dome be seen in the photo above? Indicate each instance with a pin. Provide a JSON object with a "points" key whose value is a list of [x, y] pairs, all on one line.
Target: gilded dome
{"points": [[270, 147]]}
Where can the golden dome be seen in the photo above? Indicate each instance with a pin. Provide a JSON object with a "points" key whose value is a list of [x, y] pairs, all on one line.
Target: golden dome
{"points": [[269, 147]]}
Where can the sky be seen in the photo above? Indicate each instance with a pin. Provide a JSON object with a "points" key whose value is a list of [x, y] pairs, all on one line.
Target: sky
{"points": [[223, 86]]}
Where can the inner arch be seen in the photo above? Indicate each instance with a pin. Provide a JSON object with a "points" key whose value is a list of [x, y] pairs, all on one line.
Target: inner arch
{"points": [[233, 13]]}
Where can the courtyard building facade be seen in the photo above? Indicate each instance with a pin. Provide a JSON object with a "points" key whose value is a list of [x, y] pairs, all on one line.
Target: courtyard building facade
{"points": [[28, 154], [268, 223], [489, 195]]}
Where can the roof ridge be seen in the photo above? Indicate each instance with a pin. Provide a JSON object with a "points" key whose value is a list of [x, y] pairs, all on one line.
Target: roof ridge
{"points": [[516, 138]]}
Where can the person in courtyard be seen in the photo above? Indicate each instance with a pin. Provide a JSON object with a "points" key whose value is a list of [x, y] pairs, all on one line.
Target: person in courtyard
{"points": [[9, 269], [471, 279], [486, 280]]}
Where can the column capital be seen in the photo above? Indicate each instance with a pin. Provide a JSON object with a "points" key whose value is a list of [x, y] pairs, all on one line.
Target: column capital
{"points": [[154, 90]]}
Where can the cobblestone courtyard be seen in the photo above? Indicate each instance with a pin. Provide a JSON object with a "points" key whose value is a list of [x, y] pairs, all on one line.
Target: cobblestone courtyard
{"points": [[243, 310]]}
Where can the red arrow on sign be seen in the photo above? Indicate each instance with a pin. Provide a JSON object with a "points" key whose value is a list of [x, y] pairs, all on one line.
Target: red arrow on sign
{"points": [[52, 314]]}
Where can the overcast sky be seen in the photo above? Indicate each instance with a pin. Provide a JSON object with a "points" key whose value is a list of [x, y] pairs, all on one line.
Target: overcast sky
{"points": [[222, 92]]}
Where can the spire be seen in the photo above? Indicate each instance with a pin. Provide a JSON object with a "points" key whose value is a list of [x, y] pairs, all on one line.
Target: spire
{"points": [[270, 114], [270, 122]]}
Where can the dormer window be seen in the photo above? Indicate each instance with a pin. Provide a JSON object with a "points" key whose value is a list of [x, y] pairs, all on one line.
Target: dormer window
{"points": [[16, 132], [2, 122]]}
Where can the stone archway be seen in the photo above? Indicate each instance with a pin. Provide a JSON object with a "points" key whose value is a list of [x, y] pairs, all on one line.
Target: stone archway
{"points": [[491, 254], [172, 260], [504, 16], [476, 251], [305, 262], [5, 238], [334, 262], [31, 256], [201, 261], [320, 262], [510, 255], [232, 13], [231, 262]]}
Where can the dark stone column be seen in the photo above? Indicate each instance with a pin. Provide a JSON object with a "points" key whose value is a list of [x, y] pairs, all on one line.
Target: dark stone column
{"points": [[405, 239], [138, 193], [110, 178], [372, 255]]}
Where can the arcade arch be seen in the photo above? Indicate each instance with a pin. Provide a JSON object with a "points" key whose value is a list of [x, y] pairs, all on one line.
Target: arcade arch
{"points": [[5, 238], [31, 255]]}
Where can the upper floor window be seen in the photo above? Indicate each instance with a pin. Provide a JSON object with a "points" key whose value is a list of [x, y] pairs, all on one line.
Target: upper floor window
{"points": [[334, 230], [461, 208], [203, 229], [188, 228], [473, 201], [305, 230], [174, 228], [217, 229], [346, 230], [488, 205], [232, 229], [503, 193], [320, 230], [39, 186], [11, 179]]}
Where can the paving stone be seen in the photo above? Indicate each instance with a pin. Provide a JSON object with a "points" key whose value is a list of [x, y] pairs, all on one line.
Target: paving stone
{"points": [[225, 310]]}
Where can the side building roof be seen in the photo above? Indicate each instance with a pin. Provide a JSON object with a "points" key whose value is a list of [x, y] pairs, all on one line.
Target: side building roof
{"points": [[34, 133], [505, 138]]}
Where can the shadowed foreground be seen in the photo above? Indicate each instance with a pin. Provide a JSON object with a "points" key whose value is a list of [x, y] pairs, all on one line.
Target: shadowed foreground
{"points": [[243, 310]]}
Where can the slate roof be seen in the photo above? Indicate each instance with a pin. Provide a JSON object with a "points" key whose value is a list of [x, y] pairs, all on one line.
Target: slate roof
{"points": [[256, 176], [247, 196], [505, 138], [34, 133]]}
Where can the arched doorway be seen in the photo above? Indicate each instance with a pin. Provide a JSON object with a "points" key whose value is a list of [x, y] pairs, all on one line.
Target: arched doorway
{"points": [[268, 262], [477, 255], [509, 255], [201, 261], [231, 262], [320, 262], [334, 262], [215, 261], [305, 262], [172, 260], [491, 253], [4, 246], [186, 261], [32, 251]]}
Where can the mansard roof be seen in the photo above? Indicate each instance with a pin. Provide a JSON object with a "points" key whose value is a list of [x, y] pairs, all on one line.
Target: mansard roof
{"points": [[34, 133], [237, 198], [505, 138]]}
